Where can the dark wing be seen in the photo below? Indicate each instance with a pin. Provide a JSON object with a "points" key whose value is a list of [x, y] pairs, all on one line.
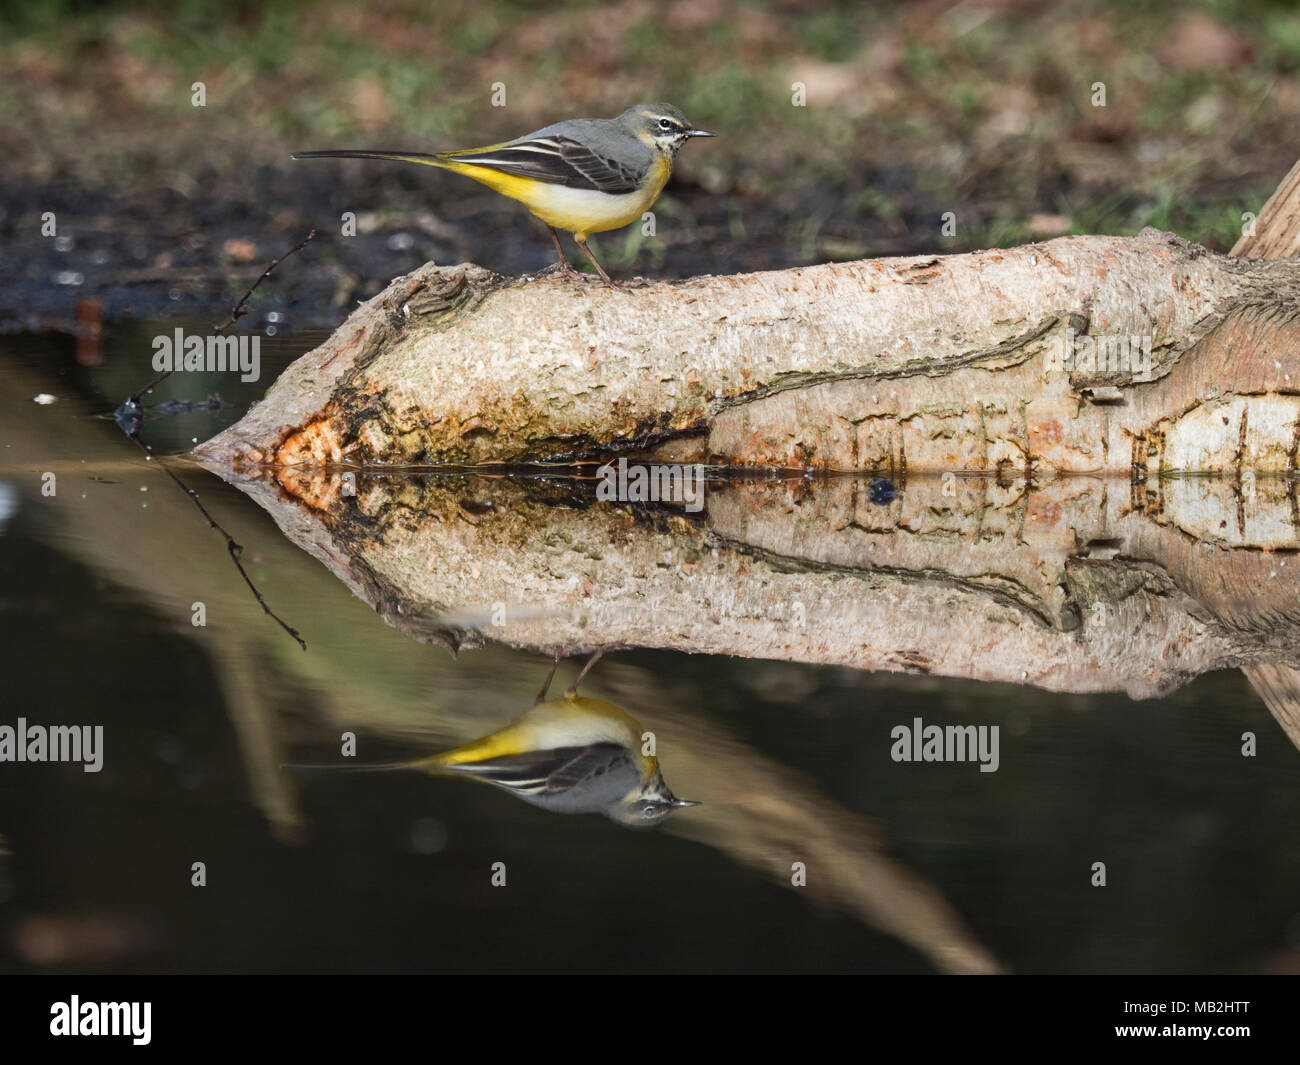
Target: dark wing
{"points": [[589, 765], [541, 776], [556, 160]]}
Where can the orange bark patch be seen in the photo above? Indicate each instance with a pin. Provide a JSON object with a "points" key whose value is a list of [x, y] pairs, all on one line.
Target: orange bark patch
{"points": [[316, 444], [1044, 434]]}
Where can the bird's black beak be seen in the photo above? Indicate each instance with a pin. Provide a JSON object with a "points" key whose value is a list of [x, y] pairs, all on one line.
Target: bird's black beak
{"points": [[699, 133], [688, 802]]}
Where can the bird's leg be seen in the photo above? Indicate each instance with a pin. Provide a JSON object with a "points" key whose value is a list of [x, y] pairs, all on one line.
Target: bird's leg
{"points": [[609, 281], [565, 268], [549, 677], [572, 689]]}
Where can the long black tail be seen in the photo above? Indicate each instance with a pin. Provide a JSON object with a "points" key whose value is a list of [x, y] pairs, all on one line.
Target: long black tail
{"points": [[373, 767], [366, 153]]}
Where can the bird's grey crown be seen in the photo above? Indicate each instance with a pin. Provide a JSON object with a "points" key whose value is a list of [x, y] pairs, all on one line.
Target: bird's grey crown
{"points": [[605, 154], [638, 111]]}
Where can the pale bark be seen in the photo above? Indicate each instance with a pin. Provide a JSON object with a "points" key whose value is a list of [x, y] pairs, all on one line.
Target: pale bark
{"points": [[916, 363], [1277, 236], [1068, 587], [1277, 230], [906, 366]]}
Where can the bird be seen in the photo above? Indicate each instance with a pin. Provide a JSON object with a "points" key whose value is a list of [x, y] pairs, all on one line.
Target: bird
{"points": [[582, 175], [571, 755]]}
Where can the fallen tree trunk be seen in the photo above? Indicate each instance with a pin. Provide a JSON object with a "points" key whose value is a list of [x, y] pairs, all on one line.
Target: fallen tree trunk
{"points": [[965, 363], [901, 366], [1277, 236], [1066, 587]]}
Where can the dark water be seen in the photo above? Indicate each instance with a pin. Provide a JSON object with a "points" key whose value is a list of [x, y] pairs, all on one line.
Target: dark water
{"points": [[906, 863]]}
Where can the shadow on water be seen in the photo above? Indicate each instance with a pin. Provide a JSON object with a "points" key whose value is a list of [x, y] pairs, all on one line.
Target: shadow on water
{"points": [[784, 647]]}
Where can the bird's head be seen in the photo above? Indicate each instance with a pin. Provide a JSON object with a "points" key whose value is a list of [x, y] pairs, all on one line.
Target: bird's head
{"points": [[661, 126], [650, 806]]}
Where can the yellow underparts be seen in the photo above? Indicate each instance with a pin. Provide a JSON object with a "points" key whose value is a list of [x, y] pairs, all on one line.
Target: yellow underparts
{"points": [[569, 721], [578, 211]]}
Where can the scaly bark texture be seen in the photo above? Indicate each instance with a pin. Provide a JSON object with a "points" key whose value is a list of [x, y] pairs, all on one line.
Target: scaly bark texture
{"points": [[1082, 584], [906, 367], [1277, 236], [919, 363]]}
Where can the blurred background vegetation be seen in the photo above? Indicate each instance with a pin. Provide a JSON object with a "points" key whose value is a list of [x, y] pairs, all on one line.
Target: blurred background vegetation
{"points": [[984, 109], [913, 110]]}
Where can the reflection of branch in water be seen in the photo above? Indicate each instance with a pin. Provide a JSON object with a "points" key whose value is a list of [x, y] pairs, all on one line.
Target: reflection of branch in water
{"points": [[235, 549], [766, 816], [1067, 585], [1279, 687]]}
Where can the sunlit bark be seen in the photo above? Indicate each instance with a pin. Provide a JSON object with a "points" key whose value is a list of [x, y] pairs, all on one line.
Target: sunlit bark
{"points": [[1082, 354]]}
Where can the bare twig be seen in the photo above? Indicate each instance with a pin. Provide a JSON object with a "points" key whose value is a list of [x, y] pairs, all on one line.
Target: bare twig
{"points": [[236, 312], [232, 546], [130, 418]]}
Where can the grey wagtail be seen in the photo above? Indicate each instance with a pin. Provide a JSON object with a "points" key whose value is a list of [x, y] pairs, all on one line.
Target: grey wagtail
{"points": [[583, 175], [570, 755]]}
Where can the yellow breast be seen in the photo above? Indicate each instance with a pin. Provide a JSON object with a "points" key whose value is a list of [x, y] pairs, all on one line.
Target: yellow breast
{"points": [[579, 211]]}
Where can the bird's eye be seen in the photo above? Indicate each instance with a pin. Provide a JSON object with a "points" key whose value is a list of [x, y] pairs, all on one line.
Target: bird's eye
{"points": [[650, 811], [667, 124]]}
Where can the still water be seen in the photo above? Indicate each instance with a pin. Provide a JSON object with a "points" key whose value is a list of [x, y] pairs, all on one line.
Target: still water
{"points": [[816, 848]]}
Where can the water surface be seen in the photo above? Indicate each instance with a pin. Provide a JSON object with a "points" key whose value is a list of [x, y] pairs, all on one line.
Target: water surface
{"points": [[910, 867]]}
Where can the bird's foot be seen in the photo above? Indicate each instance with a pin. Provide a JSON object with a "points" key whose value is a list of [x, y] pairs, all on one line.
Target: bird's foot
{"points": [[565, 270]]}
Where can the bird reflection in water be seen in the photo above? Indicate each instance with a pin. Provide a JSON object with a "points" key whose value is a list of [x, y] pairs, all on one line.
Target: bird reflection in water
{"points": [[570, 755]]}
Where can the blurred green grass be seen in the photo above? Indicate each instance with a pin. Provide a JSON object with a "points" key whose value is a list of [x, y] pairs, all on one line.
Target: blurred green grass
{"points": [[912, 110]]}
